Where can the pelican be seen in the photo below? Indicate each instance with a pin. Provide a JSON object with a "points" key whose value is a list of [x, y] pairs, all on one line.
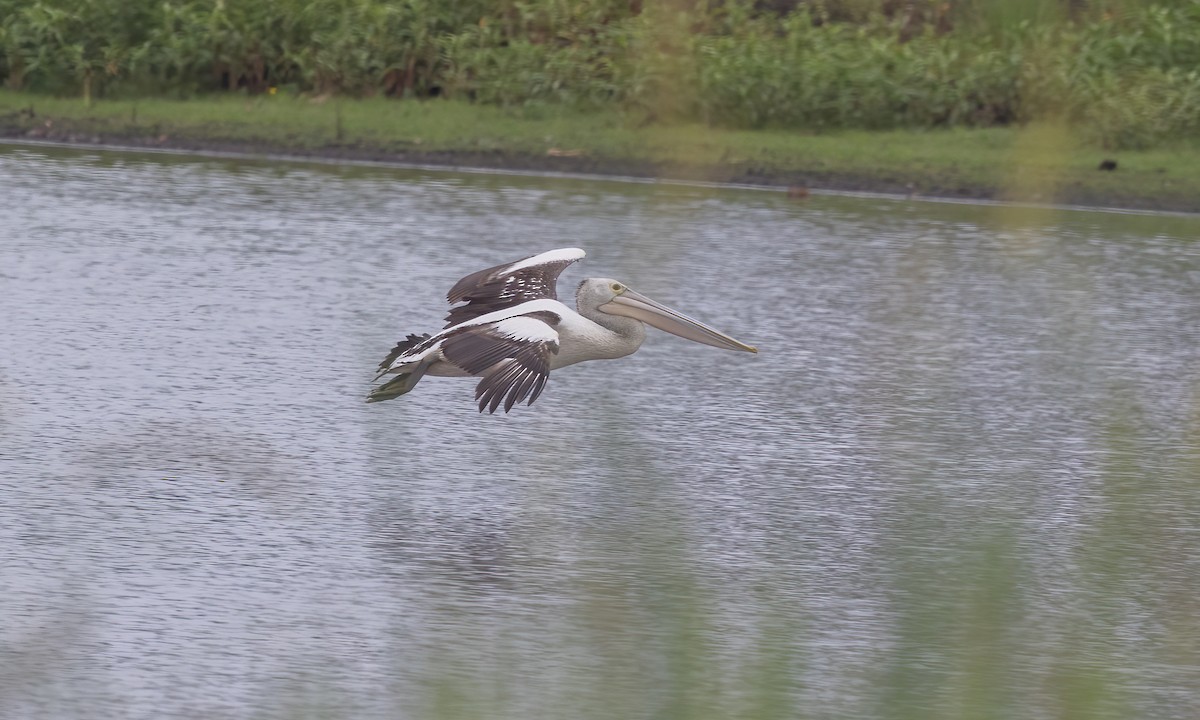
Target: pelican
{"points": [[513, 331]]}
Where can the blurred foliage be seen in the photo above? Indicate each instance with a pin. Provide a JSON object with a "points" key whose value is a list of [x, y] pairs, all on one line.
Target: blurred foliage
{"points": [[1127, 73]]}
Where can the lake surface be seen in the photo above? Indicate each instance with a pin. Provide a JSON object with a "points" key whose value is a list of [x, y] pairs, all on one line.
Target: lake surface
{"points": [[961, 479]]}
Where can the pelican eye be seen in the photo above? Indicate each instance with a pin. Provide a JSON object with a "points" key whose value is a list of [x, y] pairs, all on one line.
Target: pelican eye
{"points": [[616, 287]]}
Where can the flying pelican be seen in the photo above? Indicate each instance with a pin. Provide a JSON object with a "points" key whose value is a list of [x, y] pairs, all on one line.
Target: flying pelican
{"points": [[513, 331]]}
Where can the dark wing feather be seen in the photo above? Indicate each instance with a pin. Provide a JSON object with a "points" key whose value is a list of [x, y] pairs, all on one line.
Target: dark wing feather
{"points": [[513, 369], [502, 287], [511, 381], [402, 347]]}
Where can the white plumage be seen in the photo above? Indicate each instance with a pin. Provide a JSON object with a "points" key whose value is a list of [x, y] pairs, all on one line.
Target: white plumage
{"points": [[562, 255], [526, 329]]}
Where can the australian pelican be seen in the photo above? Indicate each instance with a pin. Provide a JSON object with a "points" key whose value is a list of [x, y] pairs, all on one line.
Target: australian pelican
{"points": [[513, 331]]}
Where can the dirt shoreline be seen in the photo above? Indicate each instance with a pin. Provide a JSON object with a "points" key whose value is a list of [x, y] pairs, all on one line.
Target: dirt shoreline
{"points": [[798, 180]]}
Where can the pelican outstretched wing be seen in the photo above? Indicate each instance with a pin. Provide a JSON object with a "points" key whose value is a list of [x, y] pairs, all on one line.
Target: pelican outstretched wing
{"points": [[509, 350], [509, 285], [512, 355]]}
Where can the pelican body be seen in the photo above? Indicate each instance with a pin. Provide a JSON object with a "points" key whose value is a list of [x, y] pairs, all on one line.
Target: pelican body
{"points": [[513, 331]]}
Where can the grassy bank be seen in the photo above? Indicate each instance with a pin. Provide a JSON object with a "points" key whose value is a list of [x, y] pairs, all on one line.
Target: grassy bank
{"points": [[1041, 162], [1123, 72]]}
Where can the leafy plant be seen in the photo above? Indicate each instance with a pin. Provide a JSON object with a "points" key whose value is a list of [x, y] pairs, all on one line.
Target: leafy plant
{"points": [[1123, 71]]}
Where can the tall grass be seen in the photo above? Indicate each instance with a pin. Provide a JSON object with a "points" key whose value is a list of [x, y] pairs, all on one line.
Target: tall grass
{"points": [[1126, 73]]}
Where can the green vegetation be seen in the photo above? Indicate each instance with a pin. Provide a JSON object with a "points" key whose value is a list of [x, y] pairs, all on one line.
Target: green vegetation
{"points": [[1126, 73], [1040, 162], [1015, 99]]}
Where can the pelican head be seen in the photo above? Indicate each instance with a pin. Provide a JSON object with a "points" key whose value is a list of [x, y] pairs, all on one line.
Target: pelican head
{"points": [[616, 298]]}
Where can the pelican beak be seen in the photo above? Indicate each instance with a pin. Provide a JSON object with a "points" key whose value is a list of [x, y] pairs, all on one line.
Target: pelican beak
{"points": [[639, 307]]}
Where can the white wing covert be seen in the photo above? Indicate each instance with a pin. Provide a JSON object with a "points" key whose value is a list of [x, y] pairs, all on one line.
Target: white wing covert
{"points": [[509, 285]]}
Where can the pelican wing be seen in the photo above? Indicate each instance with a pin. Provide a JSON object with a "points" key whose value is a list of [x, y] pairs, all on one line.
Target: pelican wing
{"points": [[512, 355], [509, 285], [412, 342]]}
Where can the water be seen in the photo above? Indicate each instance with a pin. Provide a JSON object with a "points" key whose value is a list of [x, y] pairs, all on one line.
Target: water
{"points": [[962, 478]]}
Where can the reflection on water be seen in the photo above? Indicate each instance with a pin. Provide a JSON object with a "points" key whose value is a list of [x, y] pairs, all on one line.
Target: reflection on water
{"points": [[962, 479]]}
